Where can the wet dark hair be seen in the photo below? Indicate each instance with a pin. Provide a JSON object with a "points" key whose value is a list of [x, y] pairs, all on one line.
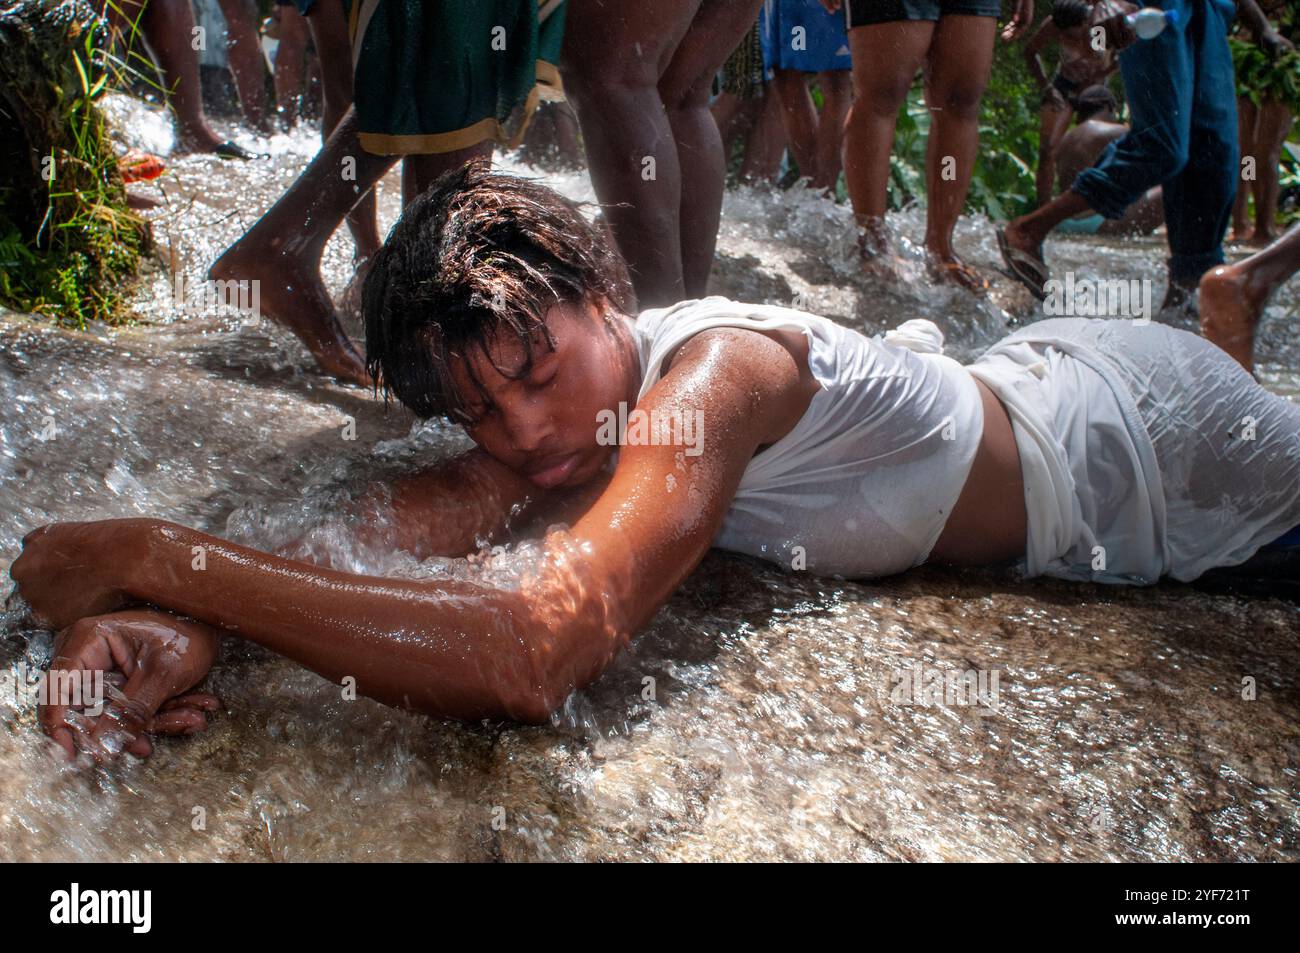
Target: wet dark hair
{"points": [[1093, 100], [1070, 13], [479, 253]]}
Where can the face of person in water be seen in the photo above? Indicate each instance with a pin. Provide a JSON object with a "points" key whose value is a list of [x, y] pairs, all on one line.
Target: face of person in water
{"points": [[543, 425]]}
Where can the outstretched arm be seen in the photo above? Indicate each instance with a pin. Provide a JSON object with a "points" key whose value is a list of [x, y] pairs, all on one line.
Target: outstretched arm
{"points": [[447, 509], [457, 648]]}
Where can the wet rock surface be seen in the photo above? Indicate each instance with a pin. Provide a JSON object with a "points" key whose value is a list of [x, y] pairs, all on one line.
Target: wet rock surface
{"points": [[762, 715]]}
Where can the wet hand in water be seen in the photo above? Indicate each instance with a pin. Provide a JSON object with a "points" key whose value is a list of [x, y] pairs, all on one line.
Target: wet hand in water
{"points": [[64, 570], [150, 660]]}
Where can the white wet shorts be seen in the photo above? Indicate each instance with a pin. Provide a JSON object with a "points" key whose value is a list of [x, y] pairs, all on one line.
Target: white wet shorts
{"points": [[1146, 451]]}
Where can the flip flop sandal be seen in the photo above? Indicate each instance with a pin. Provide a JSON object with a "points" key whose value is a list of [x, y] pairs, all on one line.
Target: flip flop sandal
{"points": [[233, 150], [1024, 267]]}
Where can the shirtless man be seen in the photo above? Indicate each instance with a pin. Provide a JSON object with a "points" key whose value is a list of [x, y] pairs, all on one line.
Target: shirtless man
{"points": [[1081, 66], [1080, 147]]}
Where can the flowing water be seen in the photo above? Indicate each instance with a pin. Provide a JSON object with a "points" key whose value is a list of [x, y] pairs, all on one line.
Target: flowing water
{"points": [[1106, 723]]}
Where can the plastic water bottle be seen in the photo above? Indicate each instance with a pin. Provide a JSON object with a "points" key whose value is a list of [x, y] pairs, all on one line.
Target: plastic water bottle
{"points": [[1149, 21]]}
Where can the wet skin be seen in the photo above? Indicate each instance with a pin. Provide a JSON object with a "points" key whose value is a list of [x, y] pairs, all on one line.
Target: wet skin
{"points": [[465, 650], [168, 29], [957, 54], [640, 77], [1080, 147], [156, 657], [1080, 64], [1234, 296]]}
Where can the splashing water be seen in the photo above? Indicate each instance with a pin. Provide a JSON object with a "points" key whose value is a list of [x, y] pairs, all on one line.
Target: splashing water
{"points": [[761, 714]]}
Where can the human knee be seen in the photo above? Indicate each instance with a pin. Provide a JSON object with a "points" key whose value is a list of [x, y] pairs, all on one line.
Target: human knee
{"points": [[959, 100], [677, 96], [592, 82], [879, 95]]}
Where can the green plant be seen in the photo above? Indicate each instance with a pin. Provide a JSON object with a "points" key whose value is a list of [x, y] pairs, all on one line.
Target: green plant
{"points": [[71, 248]]}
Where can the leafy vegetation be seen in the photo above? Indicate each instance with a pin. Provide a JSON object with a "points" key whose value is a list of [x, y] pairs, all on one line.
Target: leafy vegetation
{"points": [[69, 247]]}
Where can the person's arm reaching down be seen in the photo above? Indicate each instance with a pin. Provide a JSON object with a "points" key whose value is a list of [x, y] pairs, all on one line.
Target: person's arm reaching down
{"points": [[1266, 35], [1045, 33]]}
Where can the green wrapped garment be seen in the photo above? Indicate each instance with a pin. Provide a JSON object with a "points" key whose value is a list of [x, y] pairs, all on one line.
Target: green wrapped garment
{"points": [[1260, 78], [442, 75]]}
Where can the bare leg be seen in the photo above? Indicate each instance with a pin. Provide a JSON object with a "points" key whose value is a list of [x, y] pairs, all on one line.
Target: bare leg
{"points": [[729, 113], [1028, 232], [1052, 124], [1247, 116], [168, 29], [282, 250], [959, 63], [329, 31], [799, 116], [886, 57], [1141, 218], [837, 95], [737, 118], [289, 62], [421, 171], [766, 142], [1275, 122], [246, 62], [566, 134], [1234, 296], [614, 54], [716, 30]]}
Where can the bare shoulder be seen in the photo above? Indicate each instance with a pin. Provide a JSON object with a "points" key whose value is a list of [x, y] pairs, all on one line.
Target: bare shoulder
{"points": [[770, 366]]}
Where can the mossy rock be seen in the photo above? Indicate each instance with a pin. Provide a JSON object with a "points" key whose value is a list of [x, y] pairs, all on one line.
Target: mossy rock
{"points": [[70, 248]]}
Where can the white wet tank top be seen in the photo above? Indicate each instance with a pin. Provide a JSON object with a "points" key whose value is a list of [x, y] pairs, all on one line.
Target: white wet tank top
{"points": [[865, 481]]}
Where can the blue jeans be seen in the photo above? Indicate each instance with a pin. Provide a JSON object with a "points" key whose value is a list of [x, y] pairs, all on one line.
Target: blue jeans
{"points": [[1184, 135]]}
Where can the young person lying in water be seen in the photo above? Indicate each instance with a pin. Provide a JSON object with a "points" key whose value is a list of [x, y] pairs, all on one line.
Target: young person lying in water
{"points": [[1088, 449]]}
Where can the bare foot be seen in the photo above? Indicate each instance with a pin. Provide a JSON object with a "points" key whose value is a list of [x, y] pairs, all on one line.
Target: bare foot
{"points": [[1230, 312], [196, 140], [947, 268], [295, 298], [876, 251], [1261, 237], [1022, 240]]}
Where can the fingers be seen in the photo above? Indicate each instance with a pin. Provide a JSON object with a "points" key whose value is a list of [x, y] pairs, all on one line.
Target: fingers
{"points": [[62, 736], [184, 714], [178, 721], [80, 651], [200, 700], [128, 713]]}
